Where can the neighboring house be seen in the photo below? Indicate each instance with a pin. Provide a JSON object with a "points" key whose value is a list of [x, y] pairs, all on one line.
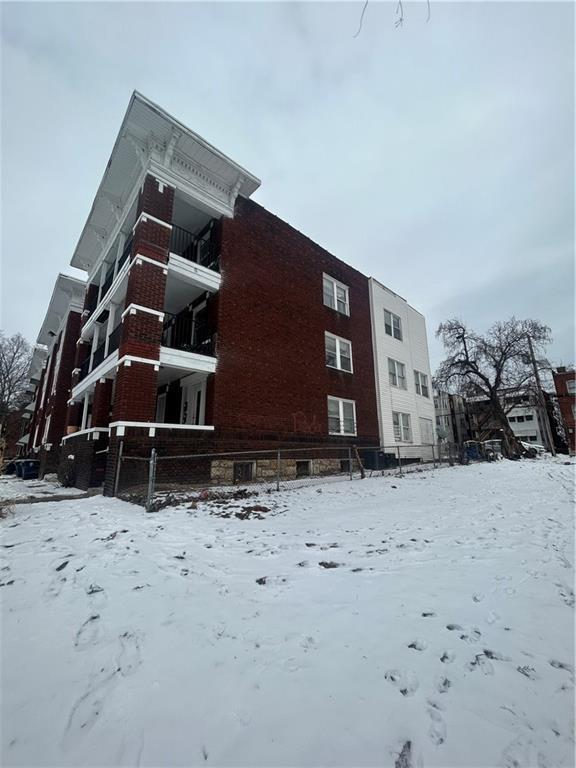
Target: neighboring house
{"points": [[403, 378], [209, 324], [56, 348], [526, 418], [565, 384], [452, 418]]}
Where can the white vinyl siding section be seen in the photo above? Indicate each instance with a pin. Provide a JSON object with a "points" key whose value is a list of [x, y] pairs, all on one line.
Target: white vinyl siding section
{"points": [[426, 430], [338, 353], [336, 295], [341, 416], [411, 352]]}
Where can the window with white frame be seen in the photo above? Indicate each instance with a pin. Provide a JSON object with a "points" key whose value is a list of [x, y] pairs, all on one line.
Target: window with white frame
{"points": [[341, 416], [397, 373], [336, 295], [421, 382], [392, 325], [571, 386], [402, 427], [338, 353]]}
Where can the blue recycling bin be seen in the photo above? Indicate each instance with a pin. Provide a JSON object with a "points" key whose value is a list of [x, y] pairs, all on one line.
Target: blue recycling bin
{"points": [[19, 467], [30, 468]]}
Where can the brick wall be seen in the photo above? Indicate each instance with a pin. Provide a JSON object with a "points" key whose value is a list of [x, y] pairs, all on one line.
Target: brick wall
{"points": [[271, 374], [137, 383], [58, 407], [87, 466], [566, 402]]}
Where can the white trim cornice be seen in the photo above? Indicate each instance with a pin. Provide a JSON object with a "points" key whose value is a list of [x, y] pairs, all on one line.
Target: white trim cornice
{"points": [[132, 309], [94, 431], [145, 216], [151, 426]]}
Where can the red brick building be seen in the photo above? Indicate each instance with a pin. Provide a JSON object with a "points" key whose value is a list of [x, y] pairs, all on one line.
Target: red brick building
{"points": [[565, 383], [51, 371], [208, 323]]}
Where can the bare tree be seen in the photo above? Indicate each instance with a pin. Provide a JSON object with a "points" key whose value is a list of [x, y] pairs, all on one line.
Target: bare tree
{"points": [[488, 365], [15, 357]]}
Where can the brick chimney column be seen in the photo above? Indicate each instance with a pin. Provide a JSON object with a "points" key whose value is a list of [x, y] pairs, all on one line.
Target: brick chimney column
{"points": [[137, 380]]}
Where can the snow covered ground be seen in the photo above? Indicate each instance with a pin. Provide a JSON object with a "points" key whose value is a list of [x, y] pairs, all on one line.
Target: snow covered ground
{"points": [[12, 488], [416, 621]]}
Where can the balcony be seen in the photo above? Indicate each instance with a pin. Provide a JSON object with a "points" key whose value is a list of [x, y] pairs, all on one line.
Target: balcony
{"points": [[101, 353], [187, 345], [199, 249], [188, 334]]}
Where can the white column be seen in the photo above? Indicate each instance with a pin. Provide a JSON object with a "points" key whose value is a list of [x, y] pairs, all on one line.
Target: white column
{"points": [[121, 243], [109, 325], [85, 411]]}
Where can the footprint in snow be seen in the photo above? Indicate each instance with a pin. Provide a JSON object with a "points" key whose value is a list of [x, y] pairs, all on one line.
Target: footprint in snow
{"points": [[472, 637], [437, 732], [447, 657], [454, 627], [478, 597], [88, 708], [418, 645], [129, 658], [528, 672], [482, 663], [402, 679], [88, 633], [443, 684], [562, 665]]}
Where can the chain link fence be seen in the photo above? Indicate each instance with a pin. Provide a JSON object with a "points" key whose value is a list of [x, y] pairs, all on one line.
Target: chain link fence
{"points": [[162, 476]]}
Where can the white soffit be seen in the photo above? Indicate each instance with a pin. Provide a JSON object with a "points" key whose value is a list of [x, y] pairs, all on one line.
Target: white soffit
{"points": [[151, 139], [67, 291]]}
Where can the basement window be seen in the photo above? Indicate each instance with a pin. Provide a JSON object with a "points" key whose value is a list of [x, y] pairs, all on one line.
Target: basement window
{"points": [[303, 468], [243, 471]]}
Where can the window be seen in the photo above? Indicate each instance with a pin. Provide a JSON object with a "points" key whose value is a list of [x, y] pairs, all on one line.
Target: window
{"points": [[336, 295], [519, 418], [341, 416], [402, 428], [426, 431], [243, 471], [511, 418], [392, 325], [338, 353], [397, 373], [421, 381], [529, 417], [571, 386], [303, 468]]}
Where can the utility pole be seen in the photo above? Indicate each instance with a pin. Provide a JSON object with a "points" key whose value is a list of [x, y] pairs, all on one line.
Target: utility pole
{"points": [[547, 427]]}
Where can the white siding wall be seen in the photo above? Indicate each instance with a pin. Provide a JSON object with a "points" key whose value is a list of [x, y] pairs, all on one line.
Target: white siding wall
{"points": [[412, 351]]}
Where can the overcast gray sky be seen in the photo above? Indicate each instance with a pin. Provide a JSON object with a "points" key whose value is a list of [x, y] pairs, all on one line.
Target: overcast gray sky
{"points": [[438, 157]]}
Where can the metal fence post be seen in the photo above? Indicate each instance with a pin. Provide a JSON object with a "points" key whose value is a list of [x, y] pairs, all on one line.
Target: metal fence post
{"points": [[399, 461], [450, 457], [278, 470], [118, 463], [350, 462], [433, 456], [151, 479]]}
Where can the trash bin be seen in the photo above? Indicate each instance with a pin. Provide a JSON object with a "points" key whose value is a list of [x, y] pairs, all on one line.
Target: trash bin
{"points": [[19, 467], [30, 469]]}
